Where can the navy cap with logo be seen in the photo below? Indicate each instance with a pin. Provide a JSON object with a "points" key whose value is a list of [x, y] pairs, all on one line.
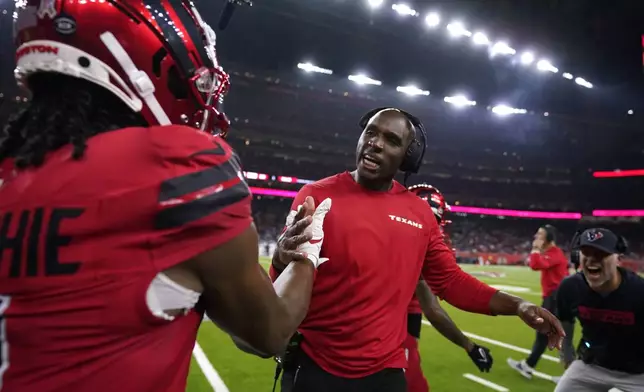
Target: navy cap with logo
{"points": [[602, 239]]}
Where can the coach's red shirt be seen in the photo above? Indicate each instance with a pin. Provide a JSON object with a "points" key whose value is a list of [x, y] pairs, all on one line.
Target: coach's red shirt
{"points": [[377, 244], [80, 242], [553, 265]]}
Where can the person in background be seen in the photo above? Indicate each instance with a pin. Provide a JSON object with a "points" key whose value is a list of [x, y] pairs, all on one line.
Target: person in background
{"points": [[608, 301], [379, 239], [548, 258], [425, 302]]}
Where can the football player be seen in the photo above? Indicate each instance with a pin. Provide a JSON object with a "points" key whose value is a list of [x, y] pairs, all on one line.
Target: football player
{"points": [[424, 301], [121, 211]]}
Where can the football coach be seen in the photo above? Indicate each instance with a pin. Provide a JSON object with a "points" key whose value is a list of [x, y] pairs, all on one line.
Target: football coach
{"points": [[609, 303], [378, 239]]}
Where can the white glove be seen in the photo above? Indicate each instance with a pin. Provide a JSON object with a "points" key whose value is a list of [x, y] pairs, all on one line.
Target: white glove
{"points": [[315, 229]]}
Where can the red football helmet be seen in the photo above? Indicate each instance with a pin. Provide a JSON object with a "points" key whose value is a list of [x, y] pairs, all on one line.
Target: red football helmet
{"points": [[157, 56], [435, 200]]}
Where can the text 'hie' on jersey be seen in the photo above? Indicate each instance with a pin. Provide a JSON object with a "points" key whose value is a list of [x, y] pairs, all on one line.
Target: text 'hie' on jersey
{"points": [[81, 241]]}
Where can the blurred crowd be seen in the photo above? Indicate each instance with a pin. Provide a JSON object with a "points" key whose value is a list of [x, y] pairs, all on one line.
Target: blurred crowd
{"points": [[477, 234]]}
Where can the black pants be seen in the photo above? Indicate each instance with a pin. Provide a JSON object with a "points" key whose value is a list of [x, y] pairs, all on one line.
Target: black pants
{"points": [[541, 342], [309, 377]]}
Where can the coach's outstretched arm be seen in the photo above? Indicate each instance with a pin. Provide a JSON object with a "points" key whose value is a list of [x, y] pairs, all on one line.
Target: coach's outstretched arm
{"points": [[240, 298], [460, 289]]}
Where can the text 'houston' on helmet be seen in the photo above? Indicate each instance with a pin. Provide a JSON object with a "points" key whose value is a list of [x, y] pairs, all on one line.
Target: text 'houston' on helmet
{"points": [[157, 56]]}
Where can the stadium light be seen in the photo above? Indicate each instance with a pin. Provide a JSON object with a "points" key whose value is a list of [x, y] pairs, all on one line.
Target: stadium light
{"points": [[456, 29], [527, 58], [459, 101], [404, 10], [375, 3], [583, 82], [411, 90], [545, 65], [502, 48], [567, 75], [308, 67], [505, 110], [480, 39], [362, 79], [432, 19]]}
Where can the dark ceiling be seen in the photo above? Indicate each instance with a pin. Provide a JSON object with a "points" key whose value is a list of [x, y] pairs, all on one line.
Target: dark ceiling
{"points": [[599, 40]]}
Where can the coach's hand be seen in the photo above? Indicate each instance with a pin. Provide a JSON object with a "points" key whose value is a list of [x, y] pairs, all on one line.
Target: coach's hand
{"points": [[481, 357], [544, 322]]}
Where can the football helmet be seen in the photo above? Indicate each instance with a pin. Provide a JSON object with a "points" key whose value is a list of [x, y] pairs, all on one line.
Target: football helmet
{"points": [[157, 56], [435, 200]]}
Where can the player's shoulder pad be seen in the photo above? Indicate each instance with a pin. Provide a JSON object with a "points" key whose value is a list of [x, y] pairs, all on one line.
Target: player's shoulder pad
{"points": [[178, 142]]}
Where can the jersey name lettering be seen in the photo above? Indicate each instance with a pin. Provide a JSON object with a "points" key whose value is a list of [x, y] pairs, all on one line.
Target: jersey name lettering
{"points": [[26, 235]]}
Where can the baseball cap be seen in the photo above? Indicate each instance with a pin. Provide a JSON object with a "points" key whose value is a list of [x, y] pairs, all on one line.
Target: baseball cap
{"points": [[602, 239]]}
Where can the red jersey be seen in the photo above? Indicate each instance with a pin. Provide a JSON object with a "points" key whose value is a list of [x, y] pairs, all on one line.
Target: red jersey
{"points": [[80, 243], [377, 243], [414, 305], [553, 265]]}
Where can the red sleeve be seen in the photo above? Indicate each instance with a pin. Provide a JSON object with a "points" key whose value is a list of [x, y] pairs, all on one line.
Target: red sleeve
{"points": [[448, 281], [306, 190], [539, 261], [202, 200]]}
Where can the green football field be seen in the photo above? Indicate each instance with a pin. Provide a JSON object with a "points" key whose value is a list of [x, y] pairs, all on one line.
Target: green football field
{"points": [[218, 365]]}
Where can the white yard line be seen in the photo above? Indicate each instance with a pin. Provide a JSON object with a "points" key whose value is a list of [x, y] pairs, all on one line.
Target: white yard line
{"points": [[485, 382], [208, 370], [501, 344]]}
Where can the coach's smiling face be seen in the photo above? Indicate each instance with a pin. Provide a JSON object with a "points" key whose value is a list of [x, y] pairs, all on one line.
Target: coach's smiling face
{"points": [[599, 268], [381, 149]]}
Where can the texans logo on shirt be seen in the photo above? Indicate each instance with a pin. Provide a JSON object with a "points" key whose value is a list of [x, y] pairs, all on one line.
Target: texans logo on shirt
{"points": [[594, 235]]}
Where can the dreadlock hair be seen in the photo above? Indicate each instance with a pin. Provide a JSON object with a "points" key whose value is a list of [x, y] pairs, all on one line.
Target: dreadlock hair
{"points": [[63, 110]]}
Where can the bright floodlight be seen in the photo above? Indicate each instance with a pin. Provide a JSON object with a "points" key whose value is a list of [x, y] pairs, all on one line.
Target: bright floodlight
{"points": [[583, 82], [456, 29], [630, 112], [362, 80], [432, 19], [527, 58], [404, 10], [545, 65], [502, 48], [567, 75], [480, 39], [375, 3], [459, 101], [504, 110], [308, 67], [411, 90]]}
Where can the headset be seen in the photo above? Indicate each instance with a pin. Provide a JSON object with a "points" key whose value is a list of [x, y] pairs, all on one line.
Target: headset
{"points": [[414, 156], [621, 247]]}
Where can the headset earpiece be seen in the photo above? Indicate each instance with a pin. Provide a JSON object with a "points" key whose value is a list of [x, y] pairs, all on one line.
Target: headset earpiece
{"points": [[622, 245], [416, 150], [576, 240]]}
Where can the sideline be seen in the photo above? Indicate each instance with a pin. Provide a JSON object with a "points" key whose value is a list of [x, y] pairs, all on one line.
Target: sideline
{"points": [[501, 344], [485, 382], [208, 370]]}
